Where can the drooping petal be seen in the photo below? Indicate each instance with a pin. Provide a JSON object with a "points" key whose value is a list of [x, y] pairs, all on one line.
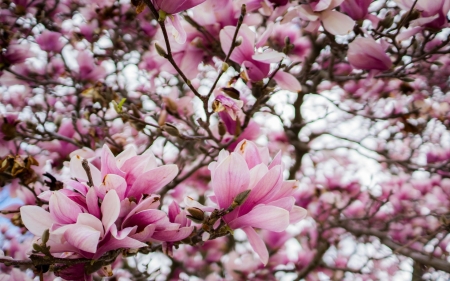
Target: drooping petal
{"points": [[153, 180], [112, 243], [83, 237], [110, 209], [173, 235], [297, 214], [337, 23], [35, 219], [263, 216], [257, 244], [287, 81]]}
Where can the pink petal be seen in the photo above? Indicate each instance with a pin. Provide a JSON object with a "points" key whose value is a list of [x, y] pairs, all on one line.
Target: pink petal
{"points": [[256, 70], [83, 237], [113, 244], [242, 52], [269, 56], [287, 81], [145, 234], [62, 209], [109, 164], [110, 209], [250, 151], [231, 177], [91, 221], [112, 182], [173, 235], [153, 180], [264, 190], [124, 156], [297, 214], [36, 219], [257, 244], [337, 23], [145, 218], [263, 216], [178, 31], [92, 203], [77, 171]]}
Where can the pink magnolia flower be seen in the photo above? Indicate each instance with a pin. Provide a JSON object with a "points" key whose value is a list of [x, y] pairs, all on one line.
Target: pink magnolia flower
{"points": [[270, 204], [49, 41], [322, 11], [365, 53], [229, 111], [88, 69], [170, 9], [356, 9], [126, 217], [256, 65], [433, 13]]}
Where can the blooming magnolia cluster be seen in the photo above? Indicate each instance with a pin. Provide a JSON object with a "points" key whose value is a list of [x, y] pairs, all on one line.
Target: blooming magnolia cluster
{"points": [[135, 139]]}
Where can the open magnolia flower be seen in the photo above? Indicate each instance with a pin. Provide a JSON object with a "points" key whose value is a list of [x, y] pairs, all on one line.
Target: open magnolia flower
{"points": [[269, 205], [107, 209]]}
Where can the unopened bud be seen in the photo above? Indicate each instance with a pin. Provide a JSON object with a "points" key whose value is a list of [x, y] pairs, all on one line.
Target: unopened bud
{"points": [[387, 21], [241, 197], [170, 129], [238, 42], [45, 236], [162, 117], [243, 9], [222, 128], [232, 92], [196, 215], [160, 50], [37, 248], [136, 112], [225, 66]]}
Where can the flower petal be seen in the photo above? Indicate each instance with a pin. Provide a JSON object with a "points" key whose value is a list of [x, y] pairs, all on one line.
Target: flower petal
{"points": [[287, 81], [173, 235], [36, 219], [231, 177], [152, 181], [297, 214], [257, 244], [62, 209], [337, 23], [263, 216], [110, 209], [83, 237]]}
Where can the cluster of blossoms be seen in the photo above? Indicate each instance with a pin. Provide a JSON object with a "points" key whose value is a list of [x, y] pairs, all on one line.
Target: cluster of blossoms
{"points": [[352, 97]]}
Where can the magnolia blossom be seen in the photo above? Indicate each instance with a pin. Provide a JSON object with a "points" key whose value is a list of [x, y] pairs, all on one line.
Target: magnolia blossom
{"points": [[256, 65], [365, 53], [170, 9], [322, 11], [356, 9], [270, 204], [111, 208]]}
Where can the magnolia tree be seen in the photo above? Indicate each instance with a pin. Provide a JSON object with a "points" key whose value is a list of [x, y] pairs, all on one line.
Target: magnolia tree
{"points": [[225, 140]]}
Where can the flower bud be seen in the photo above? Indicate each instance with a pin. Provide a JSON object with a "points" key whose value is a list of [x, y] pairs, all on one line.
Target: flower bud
{"points": [[160, 50], [170, 129], [232, 92], [162, 117], [196, 215], [45, 236], [241, 197], [222, 128]]}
